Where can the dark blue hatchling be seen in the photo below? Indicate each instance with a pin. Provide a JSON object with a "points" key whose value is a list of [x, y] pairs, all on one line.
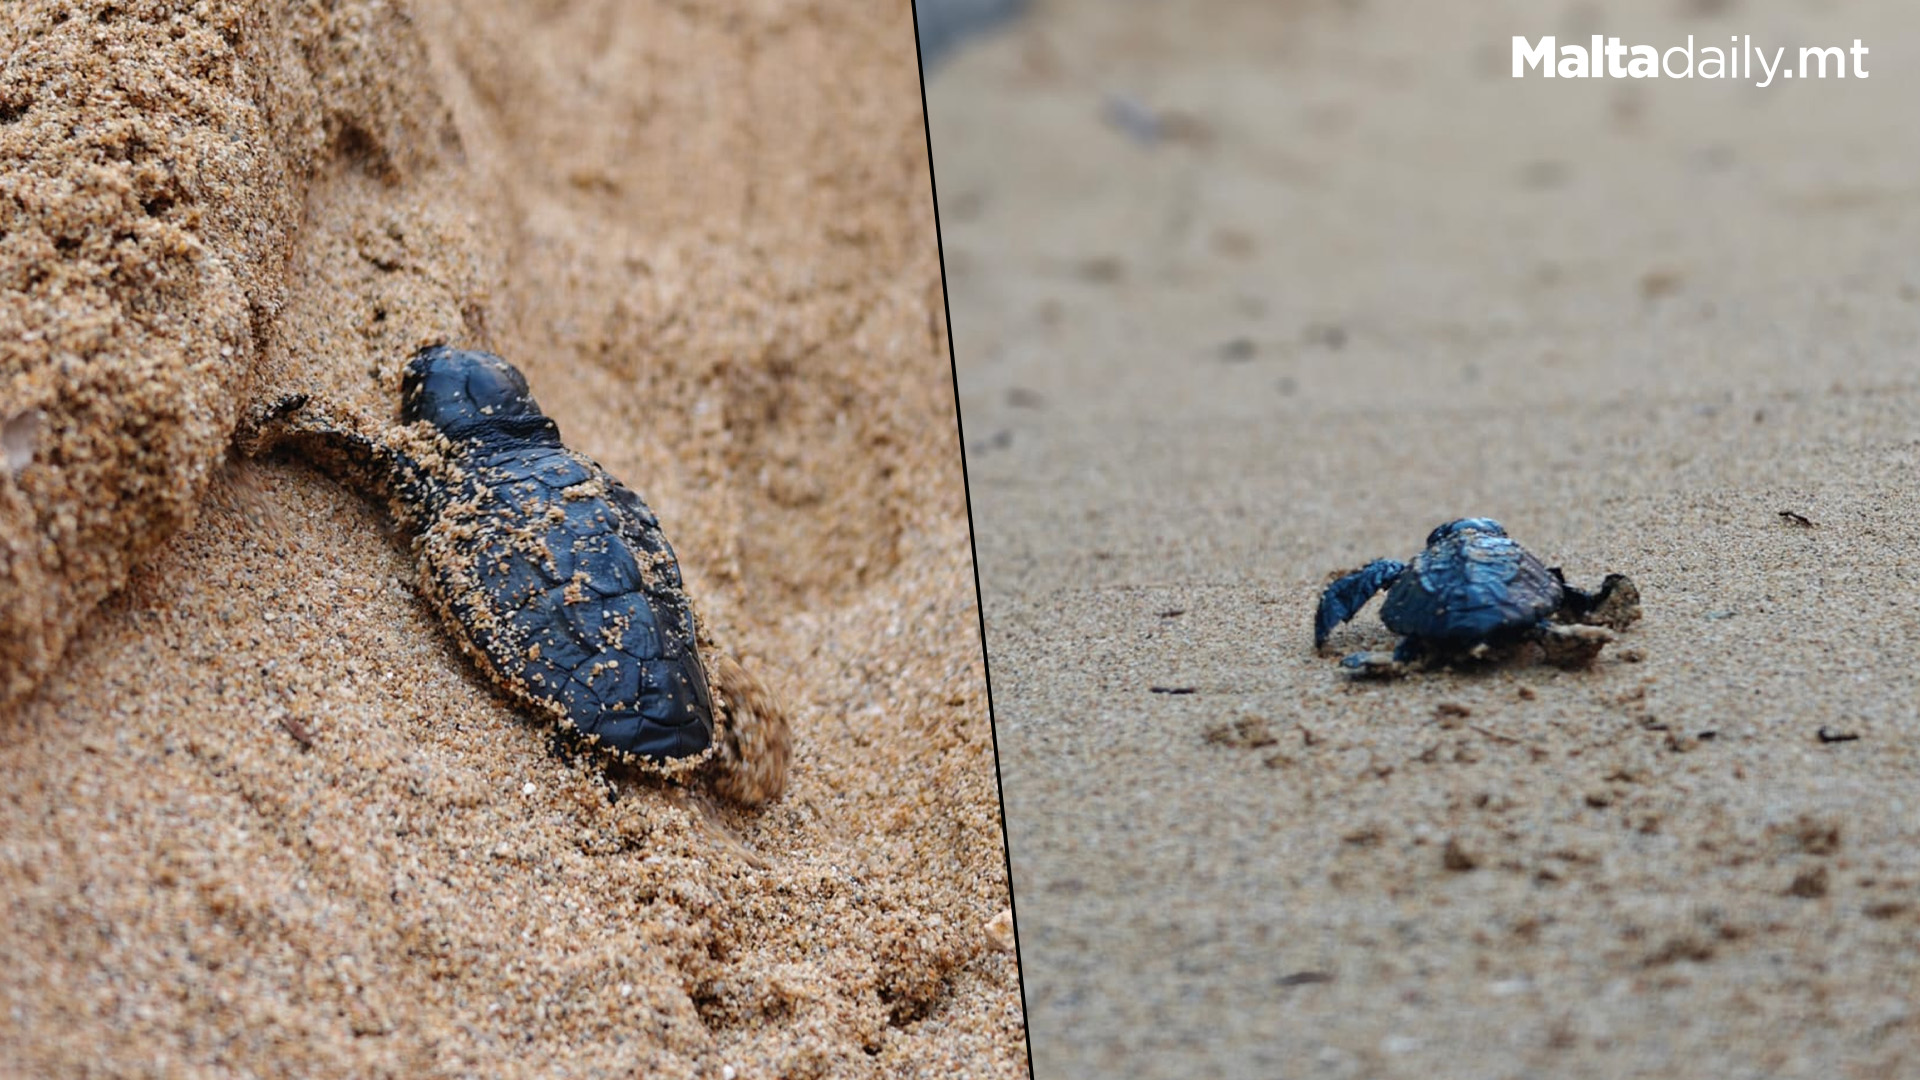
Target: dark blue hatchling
{"points": [[553, 576], [1472, 592]]}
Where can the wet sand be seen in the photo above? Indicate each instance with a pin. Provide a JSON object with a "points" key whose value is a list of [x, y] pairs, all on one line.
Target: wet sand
{"points": [[1244, 298], [261, 816]]}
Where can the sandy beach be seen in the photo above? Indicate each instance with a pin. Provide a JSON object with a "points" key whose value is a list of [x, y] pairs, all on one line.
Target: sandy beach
{"points": [[1245, 295], [260, 815]]}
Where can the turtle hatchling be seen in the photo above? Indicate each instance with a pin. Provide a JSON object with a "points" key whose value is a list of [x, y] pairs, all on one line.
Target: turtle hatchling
{"points": [[1473, 592], [553, 576]]}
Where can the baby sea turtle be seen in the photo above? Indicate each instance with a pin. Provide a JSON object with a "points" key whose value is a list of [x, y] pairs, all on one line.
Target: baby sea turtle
{"points": [[553, 576], [1474, 590]]}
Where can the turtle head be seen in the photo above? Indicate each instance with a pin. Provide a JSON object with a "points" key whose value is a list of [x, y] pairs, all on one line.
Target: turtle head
{"points": [[1485, 526], [464, 391]]}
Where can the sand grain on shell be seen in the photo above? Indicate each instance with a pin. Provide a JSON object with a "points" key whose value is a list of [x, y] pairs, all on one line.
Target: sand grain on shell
{"points": [[261, 816]]}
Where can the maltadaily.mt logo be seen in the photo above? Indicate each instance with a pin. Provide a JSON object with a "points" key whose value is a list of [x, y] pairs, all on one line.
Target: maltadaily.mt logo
{"points": [[1606, 58]]}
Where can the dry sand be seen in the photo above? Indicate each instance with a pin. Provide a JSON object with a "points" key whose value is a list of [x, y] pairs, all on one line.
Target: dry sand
{"points": [[1363, 282], [260, 816]]}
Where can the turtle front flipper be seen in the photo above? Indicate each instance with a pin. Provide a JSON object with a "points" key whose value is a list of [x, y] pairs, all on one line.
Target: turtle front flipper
{"points": [[1377, 665], [1344, 598], [263, 427], [1615, 604], [381, 466]]}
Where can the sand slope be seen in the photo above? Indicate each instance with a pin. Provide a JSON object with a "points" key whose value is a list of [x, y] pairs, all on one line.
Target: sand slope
{"points": [[1361, 283], [261, 816]]}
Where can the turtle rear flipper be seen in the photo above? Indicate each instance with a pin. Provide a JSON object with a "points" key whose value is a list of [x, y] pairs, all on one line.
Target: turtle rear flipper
{"points": [[756, 741]]}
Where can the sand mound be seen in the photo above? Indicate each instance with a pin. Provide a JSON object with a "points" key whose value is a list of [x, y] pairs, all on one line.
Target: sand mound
{"points": [[152, 182]]}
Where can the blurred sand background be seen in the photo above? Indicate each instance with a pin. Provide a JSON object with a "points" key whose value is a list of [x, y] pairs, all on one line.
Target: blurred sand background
{"points": [[260, 817], [1245, 294]]}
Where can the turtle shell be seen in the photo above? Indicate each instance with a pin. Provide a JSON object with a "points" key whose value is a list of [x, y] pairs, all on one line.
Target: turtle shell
{"points": [[557, 579], [1470, 587]]}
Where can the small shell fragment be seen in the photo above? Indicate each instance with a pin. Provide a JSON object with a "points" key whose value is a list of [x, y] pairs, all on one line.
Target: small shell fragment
{"points": [[1000, 931], [20, 438]]}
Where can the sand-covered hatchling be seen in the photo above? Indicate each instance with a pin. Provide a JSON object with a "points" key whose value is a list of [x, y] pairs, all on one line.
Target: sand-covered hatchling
{"points": [[1474, 591], [552, 575]]}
